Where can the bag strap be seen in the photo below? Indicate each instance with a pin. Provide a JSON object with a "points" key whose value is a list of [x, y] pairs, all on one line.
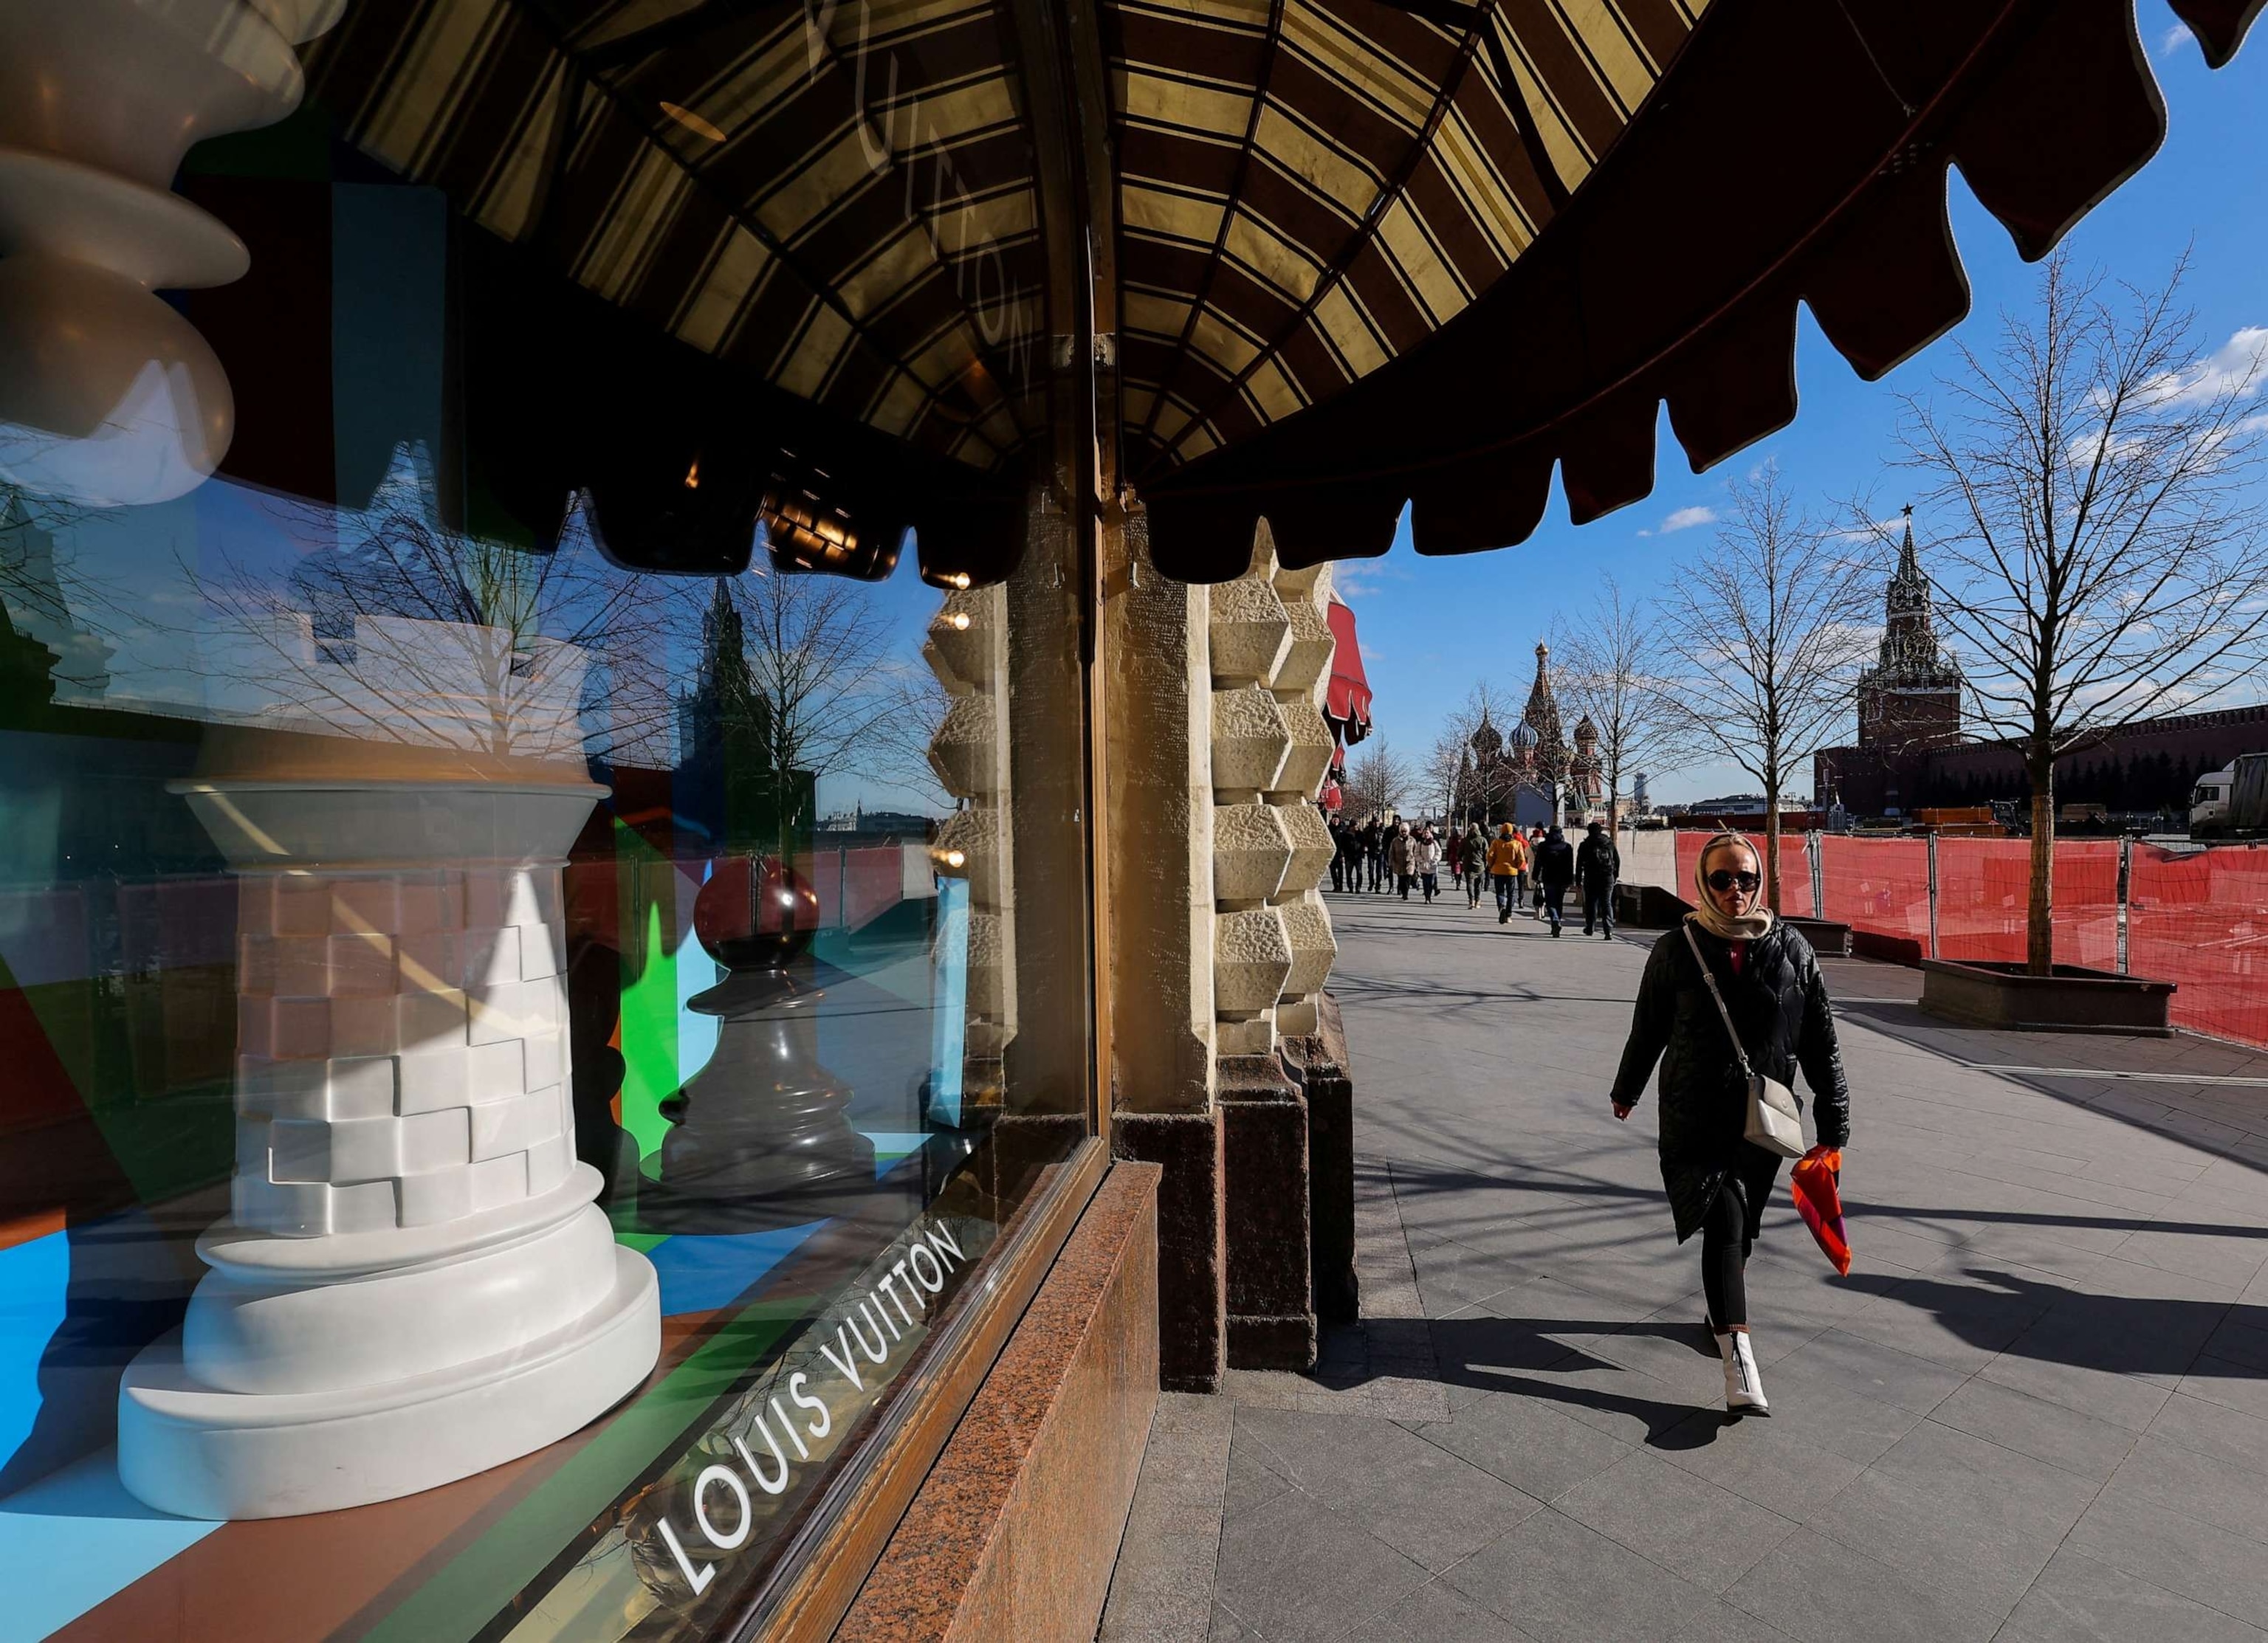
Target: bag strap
{"points": [[1724, 1014]]}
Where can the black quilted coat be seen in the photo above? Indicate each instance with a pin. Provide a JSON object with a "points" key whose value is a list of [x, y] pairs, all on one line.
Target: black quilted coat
{"points": [[1779, 1002]]}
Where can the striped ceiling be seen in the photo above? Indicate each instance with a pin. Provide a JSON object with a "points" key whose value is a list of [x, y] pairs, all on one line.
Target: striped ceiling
{"points": [[1308, 188], [838, 194], [846, 210]]}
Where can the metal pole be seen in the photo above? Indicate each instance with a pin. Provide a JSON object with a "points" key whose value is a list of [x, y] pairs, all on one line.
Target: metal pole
{"points": [[1815, 851], [2125, 878], [1933, 895]]}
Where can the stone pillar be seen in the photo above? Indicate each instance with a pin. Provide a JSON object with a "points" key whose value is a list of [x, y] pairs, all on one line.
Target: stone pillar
{"points": [[1299, 688], [1261, 752], [1318, 1063], [413, 1284], [1165, 840], [1218, 746]]}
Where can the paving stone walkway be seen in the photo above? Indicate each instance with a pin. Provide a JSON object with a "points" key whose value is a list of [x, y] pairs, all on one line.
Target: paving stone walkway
{"points": [[2036, 1409]]}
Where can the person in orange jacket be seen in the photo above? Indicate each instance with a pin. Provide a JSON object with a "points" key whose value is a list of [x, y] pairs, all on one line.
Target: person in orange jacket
{"points": [[1507, 859]]}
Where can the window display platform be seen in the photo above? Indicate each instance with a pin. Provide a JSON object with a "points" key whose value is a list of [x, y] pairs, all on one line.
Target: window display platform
{"points": [[87, 1561]]}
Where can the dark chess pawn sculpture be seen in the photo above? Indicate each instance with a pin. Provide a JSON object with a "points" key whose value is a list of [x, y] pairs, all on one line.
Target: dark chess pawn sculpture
{"points": [[762, 1135]]}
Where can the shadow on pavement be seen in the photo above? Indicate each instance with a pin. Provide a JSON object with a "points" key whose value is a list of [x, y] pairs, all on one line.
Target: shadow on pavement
{"points": [[1521, 1356], [1998, 1312], [1411, 1181]]}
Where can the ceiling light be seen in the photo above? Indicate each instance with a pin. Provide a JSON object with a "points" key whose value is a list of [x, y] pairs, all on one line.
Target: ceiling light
{"points": [[693, 122]]}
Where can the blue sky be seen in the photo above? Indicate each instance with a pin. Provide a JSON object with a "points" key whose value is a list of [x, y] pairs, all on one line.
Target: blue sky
{"points": [[1430, 627]]}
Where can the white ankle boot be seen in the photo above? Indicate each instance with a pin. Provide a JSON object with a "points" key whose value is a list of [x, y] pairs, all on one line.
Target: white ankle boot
{"points": [[1744, 1386]]}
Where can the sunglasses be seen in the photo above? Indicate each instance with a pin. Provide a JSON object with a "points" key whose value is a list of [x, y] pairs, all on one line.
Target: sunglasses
{"points": [[1723, 879]]}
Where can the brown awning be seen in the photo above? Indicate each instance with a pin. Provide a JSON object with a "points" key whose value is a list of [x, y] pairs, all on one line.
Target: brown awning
{"points": [[1797, 152], [1367, 252]]}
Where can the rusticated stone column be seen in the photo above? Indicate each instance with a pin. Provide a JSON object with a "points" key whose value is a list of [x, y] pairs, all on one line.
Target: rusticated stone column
{"points": [[1262, 755], [1218, 746], [1299, 689], [1168, 844]]}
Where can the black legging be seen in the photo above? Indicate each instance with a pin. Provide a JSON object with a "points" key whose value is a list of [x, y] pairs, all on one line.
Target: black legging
{"points": [[1724, 1257], [1728, 1233]]}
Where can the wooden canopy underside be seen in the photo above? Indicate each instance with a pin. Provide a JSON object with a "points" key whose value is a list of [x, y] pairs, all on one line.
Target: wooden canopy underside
{"points": [[1366, 253]]}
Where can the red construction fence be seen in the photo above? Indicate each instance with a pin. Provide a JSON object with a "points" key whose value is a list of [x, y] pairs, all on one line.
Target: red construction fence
{"points": [[2200, 918], [2196, 917]]}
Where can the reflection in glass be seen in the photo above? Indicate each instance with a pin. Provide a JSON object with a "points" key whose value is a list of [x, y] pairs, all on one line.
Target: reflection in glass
{"points": [[483, 538]]}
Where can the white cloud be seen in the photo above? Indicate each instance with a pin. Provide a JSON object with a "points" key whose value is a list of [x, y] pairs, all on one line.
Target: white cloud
{"points": [[1353, 579], [2174, 39], [1888, 531], [2238, 366], [1683, 520]]}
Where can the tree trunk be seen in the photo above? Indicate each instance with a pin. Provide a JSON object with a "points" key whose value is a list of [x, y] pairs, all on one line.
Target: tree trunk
{"points": [[1771, 845], [2039, 915]]}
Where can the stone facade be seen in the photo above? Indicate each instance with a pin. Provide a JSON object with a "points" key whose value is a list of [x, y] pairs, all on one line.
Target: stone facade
{"points": [[1216, 745]]}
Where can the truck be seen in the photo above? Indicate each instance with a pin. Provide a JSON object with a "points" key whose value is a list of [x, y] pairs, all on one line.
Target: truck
{"points": [[2232, 803]]}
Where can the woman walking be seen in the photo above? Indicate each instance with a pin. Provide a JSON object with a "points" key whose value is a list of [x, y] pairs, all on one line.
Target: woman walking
{"points": [[1426, 861], [1717, 1180], [1476, 851]]}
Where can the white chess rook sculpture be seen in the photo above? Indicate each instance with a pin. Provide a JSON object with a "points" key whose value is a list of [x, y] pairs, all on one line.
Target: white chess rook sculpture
{"points": [[414, 1284]]}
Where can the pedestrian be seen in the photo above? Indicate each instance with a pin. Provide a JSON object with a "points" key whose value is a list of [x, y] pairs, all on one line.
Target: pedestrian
{"points": [[1397, 859], [1373, 852], [1338, 852], [1598, 864], [1452, 852], [1535, 880], [1507, 863], [1716, 1179], [1426, 861], [1477, 852], [1555, 871], [1351, 853]]}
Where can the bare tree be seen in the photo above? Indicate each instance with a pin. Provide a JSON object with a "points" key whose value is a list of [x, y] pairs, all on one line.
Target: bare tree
{"points": [[399, 629], [1448, 766], [2102, 555], [823, 674], [1762, 639], [1613, 674], [1379, 779]]}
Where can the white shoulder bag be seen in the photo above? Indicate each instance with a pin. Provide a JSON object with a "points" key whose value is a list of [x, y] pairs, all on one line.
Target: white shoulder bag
{"points": [[1775, 1122]]}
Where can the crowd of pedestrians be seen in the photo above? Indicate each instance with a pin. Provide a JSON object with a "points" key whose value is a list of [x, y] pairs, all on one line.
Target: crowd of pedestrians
{"points": [[1530, 871]]}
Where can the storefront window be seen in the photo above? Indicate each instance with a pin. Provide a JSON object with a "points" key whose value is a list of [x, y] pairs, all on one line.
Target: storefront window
{"points": [[542, 888]]}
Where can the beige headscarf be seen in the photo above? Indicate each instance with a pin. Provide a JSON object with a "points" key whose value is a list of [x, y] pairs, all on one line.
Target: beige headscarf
{"points": [[1705, 913]]}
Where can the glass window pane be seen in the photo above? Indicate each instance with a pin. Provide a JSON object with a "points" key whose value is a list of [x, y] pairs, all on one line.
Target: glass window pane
{"points": [[543, 902]]}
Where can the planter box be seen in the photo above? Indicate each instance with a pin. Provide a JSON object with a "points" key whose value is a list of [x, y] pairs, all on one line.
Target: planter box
{"points": [[2072, 1000], [1892, 950], [1828, 939], [1648, 907]]}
